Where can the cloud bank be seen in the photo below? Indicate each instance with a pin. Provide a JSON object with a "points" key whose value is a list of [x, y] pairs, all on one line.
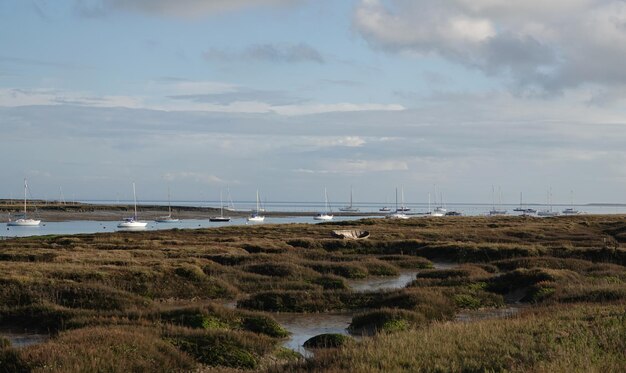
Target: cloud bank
{"points": [[169, 8], [547, 46]]}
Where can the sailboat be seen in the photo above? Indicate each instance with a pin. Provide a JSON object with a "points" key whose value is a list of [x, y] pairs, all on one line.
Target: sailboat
{"points": [[168, 218], [350, 207], [220, 218], [327, 214], [494, 211], [256, 217], [133, 223], [571, 210], [548, 212], [439, 210], [398, 214], [522, 209], [385, 208], [24, 221]]}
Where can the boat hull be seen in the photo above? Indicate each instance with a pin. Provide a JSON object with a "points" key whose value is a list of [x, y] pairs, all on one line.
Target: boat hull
{"points": [[24, 223], [167, 220], [397, 216], [132, 224], [256, 219], [349, 209], [323, 217], [219, 219]]}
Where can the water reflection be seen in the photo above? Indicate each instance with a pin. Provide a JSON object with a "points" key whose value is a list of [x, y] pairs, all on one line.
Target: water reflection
{"points": [[308, 325], [97, 226], [383, 283], [23, 339]]}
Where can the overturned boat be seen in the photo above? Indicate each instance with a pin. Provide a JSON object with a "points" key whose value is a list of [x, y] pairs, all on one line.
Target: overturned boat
{"points": [[351, 234]]}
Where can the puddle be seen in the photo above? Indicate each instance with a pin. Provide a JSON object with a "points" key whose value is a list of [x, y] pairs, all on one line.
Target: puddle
{"points": [[383, 283], [305, 326], [444, 265], [23, 339]]}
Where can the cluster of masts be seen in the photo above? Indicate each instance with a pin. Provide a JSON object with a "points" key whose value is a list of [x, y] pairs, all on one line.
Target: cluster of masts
{"points": [[527, 211], [256, 216]]}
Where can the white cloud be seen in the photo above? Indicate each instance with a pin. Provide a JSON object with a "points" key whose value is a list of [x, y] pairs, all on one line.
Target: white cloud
{"points": [[10, 97], [178, 8], [199, 177], [357, 166], [307, 109], [553, 45]]}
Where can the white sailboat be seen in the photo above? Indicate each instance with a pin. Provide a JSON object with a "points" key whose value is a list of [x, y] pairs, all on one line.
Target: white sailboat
{"points": [[350, 207], [398, 214], [547, 213], [24, 221], [133, 223], [571, 210], [327, 214], [221, 218], [168, 218], [256, 217], [522, 209], [439, 209], [499, 211]]}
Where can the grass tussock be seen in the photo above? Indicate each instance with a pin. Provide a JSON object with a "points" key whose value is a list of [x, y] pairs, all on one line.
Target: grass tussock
{"points": [[106, 350], [586, 338]]}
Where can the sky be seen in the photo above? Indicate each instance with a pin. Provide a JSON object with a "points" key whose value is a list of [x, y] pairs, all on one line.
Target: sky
{"points": [[292, 96]]}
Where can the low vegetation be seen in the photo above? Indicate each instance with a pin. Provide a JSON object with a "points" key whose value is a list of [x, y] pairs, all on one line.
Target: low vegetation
{"points": [[193, 300]]}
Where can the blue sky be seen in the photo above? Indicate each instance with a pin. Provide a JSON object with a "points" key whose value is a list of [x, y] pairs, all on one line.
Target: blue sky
{"points": [[290, 96]]}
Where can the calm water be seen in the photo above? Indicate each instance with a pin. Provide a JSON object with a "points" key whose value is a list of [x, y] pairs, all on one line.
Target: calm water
{"points": [[94, 226], [23, 339], [304, 326], [475, 209]]}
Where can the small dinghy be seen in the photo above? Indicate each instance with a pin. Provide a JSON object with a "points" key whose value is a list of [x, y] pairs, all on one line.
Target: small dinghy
{"points": [[351, 235]]}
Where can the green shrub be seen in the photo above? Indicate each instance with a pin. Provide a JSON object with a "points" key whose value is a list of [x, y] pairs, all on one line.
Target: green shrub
{"points": [[330, 282], [385, 320], [264, 325]]}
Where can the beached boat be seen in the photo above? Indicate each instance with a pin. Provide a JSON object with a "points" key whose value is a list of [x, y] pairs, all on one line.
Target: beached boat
{"points": [[351, 234], [133, 222], [24, 220]]}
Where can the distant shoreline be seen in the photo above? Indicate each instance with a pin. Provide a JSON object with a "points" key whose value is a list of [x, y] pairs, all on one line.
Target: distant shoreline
{"points": [[55, 212]]}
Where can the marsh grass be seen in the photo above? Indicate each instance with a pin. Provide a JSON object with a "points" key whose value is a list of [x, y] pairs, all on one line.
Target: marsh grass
{"points": [[157, 291], [584, 338]]}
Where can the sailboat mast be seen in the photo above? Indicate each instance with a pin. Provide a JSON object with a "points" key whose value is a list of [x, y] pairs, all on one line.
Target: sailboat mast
{"points": [[221, 205], [25, 187], [429, 208], [257, 200], [169, 202], [396, 199], [135, 199], [350, 196], [326, 199]]}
